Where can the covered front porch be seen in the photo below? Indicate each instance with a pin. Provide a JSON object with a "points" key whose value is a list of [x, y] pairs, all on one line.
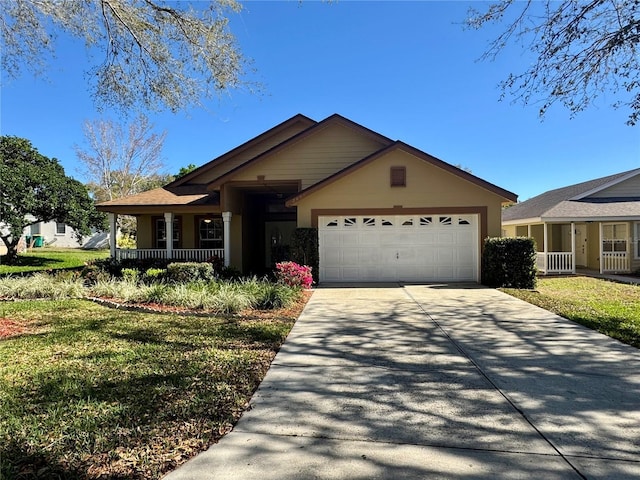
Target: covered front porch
{"points": [[606, 247], [247, 227], [212, 239]]}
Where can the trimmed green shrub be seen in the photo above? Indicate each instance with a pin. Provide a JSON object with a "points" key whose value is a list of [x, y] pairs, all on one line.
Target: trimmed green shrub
{"points": [[189, 272], [509, 262], [154, 275], [130, 274], [304, 249]]}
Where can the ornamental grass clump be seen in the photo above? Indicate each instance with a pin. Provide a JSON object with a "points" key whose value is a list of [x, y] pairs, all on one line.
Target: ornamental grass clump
{"points": [[125, 290], [294, 275], [267, 295], [41, 285]]}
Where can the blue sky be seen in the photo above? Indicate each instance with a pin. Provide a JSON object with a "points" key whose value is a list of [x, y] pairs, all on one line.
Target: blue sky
{"points": [[408, 70]]}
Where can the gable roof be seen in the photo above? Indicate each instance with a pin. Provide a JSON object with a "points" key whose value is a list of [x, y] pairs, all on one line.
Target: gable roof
{"points": [[299, 118], [398, 145], [573, 202], [190, 195], [331, 120]]}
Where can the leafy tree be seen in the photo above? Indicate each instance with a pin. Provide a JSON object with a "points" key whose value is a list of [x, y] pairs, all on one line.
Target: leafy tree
{"points": [[157, 54], [583, 50], [185, 170], [32, 184]]}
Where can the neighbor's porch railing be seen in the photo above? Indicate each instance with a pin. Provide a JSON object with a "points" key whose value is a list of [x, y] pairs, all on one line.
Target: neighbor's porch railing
{"points": [[613, 262], [557, 262], [184, 254]]}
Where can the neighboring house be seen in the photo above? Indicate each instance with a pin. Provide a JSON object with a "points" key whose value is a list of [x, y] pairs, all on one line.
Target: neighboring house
{"points": [[595, 225], [385, 211], [57, 234]]}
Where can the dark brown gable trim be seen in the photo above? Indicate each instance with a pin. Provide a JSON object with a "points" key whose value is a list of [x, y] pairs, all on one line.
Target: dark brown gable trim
{"points": [[481, 211]]}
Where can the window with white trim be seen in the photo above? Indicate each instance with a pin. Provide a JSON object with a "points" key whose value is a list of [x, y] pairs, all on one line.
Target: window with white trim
{"points": [[61, 228], [636, 239], [614, 237], [161, 233], [210, 232]]}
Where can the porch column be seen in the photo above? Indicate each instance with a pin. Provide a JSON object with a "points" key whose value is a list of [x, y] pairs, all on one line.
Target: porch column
{"points": [[529, 230], [573, 247], [545, 249], [168, 223], [113, 233], [226, 231], [600, 234]]}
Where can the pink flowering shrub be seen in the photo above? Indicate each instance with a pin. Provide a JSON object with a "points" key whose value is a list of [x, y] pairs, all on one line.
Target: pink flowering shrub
{"points": [[294, 275]]}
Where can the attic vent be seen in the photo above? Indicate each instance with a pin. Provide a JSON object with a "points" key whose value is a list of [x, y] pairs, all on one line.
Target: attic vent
{"points": [[398, 176]]}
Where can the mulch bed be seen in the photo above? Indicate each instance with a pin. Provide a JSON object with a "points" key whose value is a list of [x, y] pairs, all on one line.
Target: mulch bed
{"points": [[9, 328]]}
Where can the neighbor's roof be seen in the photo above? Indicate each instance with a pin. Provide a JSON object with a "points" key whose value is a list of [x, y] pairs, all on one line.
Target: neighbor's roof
{"points": [[573, 202]]}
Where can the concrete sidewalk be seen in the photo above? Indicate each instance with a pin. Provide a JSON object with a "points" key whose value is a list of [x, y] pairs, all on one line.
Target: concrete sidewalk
{"points": [[435, 381]]}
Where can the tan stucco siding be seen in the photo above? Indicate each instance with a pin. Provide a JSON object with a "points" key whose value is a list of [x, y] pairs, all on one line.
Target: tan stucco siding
{"points": [[144, 232], [521, 230], [427, 187], [593, 245], [248, 154], [188, 231], [628, 188], [509, 231], [313, 158]]}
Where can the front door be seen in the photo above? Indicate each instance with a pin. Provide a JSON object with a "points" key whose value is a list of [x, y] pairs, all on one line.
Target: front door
{"points": [[581, 244], [267, 228]]}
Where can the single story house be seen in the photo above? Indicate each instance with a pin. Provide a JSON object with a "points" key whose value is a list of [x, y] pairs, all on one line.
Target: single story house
{"points": [[594, 224], [55, 234], [384, 210]]}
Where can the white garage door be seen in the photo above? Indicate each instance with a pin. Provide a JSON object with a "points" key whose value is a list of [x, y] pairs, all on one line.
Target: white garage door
{"points": [[411, 248]]}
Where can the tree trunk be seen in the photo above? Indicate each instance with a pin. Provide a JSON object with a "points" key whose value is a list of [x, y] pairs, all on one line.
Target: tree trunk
{"points": [[12, 249]]}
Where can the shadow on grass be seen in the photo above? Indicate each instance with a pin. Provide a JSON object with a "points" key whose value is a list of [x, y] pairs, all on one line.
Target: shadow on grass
{"points": [[33, 261], [191, 380]]}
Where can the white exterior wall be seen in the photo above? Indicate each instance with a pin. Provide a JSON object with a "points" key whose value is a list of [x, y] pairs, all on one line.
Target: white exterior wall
{"points": [[67, 240]]}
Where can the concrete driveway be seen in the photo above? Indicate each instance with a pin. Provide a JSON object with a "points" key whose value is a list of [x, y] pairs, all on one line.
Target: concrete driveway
{"points": [[435, 381]]}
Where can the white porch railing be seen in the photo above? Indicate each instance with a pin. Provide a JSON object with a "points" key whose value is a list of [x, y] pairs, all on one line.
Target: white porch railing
{"points": [[557, 262], [184, 254], [613, 262]]}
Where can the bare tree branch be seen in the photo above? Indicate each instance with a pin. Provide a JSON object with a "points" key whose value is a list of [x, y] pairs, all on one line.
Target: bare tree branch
{"points": [[157, 54], [582, 50]]}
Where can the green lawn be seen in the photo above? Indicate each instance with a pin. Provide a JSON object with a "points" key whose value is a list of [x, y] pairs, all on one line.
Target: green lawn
{"points": [[608, 307], [48, 258], [93, 392]]}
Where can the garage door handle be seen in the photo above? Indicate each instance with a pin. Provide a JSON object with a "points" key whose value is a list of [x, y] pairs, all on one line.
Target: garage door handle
{"points": [[397, 255]]}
